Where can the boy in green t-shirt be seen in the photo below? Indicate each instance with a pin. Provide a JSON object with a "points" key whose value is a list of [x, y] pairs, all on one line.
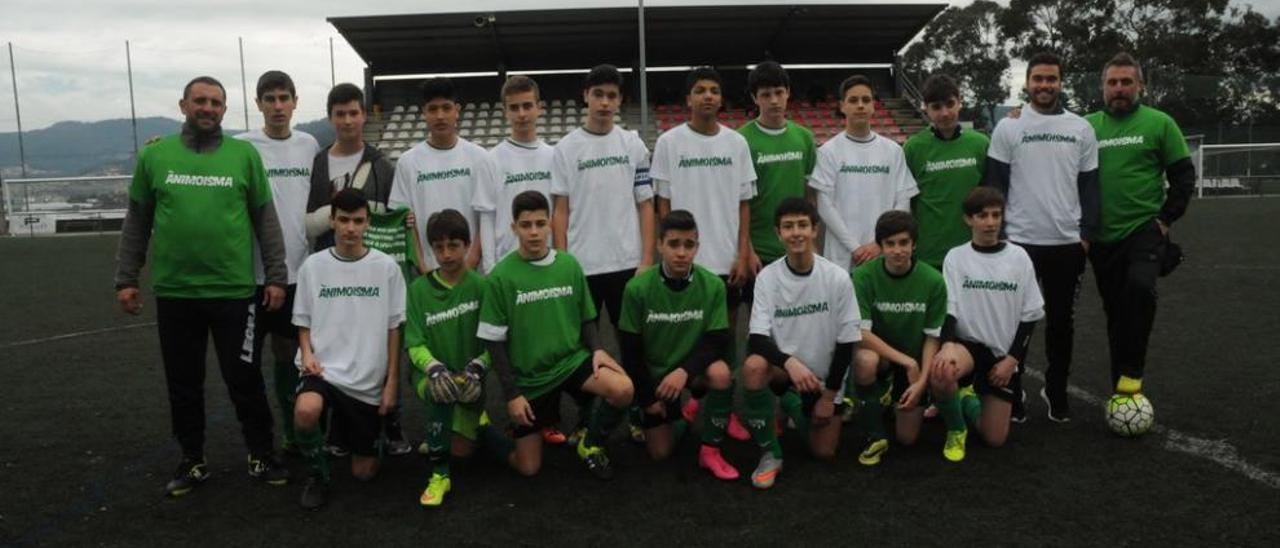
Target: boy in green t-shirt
{"points": [[448, 365], [538, 324], [903, 303], [947, 162], [674, 332]]}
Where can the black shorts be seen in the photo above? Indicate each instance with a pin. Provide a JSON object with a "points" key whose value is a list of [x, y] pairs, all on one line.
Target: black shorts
{"points": [[358, 422], [808, 400], [606, 292], [983, 361], [732, 295], [278, 323], [900, 382], [546, 408], [648, 421]]}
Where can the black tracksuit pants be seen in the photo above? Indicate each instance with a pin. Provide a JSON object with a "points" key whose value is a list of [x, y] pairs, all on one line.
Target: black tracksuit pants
{"points": [[1058, 269], [1126, 273]]}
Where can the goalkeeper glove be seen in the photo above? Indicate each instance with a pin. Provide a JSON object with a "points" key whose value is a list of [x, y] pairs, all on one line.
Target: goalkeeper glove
{"points": [[443, 389], [473, 386]]}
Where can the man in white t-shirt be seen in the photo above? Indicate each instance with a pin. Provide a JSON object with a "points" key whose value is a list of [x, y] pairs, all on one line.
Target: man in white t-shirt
{"points": [[993, 304], [442, 172], [349, 307], [706, 169], [286, 155], [803, 333], [1046, 163], [859, 175], [522, 162]]}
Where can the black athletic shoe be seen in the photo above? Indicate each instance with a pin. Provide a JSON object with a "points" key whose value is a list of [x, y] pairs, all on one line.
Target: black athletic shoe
{"points": [[596, 460], [315, 493], [191, 472], [268, 470], [1059, 406], [1018, 414]]}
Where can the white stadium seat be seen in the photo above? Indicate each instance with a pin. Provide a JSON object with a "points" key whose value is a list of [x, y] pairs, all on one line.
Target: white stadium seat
{"points": [[399, 108]]}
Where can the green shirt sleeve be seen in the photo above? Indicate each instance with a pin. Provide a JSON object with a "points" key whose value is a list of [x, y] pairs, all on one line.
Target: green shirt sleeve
{"points": [[140, 186], [493, 307], [586, 306], [1173, 146], [862, 290], [810, 155], [936, 310], [719, 318]]}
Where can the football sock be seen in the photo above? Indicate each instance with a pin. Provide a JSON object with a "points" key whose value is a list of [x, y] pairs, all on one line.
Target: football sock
{"points": [[759, 415], [872, 413], [716, 406], [793, 406], [1128, 385], [603, 421], [439, 429], [311, 443], [972, 407], [286, 382], [952, 416]]}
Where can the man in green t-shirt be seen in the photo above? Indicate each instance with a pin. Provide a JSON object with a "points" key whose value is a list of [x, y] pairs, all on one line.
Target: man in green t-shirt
{"points": [[199, 200], [538, 323], [674, 332], [448, 369], [947, 162], [903, 304], [1139, 147]]}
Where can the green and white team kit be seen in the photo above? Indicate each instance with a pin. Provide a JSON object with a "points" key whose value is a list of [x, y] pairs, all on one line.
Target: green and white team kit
{"points": [[945, 171], [783, 159], [538, 308], [672, 322], [429, 179], [901, 309], [288, 164], [518, 167]]}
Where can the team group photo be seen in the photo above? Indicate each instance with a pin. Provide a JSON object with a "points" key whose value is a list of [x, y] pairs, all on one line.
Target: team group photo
{"points": [[741, 295]]}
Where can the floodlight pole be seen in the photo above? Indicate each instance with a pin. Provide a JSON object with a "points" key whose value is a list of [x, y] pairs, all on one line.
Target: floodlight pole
{"points": [[333, 76], [644, 81], [133, 111], [17, 112], [244, 89]]}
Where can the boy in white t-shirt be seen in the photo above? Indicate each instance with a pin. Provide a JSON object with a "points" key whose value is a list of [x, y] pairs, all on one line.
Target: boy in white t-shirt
{"points": [[859, 175], [349, 307], [442, 172], [287, 155], [803, 333], [993, 304]]}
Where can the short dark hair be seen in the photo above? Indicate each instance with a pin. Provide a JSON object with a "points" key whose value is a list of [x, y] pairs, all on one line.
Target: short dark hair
{"points": [[275, 79], [342, 94], [896, 221], [677, 219], [767, 74], [438, 88], [702, 73], [856, 80], [207, 80], [795, 206], [938, 88], [1045, 58], [519, 84], [447, 224], [601, 75], [349, 200], [1123, 59], [981, 198], [529, 200]]}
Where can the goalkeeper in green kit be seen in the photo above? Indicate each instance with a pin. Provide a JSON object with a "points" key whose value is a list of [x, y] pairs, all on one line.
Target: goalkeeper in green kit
{"points": [[449, 362]]}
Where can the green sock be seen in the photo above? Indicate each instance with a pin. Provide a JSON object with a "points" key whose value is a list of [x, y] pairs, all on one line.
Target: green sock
{"points": [[286, 383], [872, 414], [972, 408], [439, 426], [716, 406], [793, 406], [951, 414], [678, 428], [603, 421], [311, 443], [759, 418]]}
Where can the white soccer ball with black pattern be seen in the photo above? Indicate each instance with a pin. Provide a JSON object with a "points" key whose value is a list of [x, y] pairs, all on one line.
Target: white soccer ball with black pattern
{"points": [[1130, 415]]}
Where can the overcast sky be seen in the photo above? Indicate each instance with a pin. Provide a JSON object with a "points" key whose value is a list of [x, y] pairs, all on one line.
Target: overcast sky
{"points": [[70, 54]]}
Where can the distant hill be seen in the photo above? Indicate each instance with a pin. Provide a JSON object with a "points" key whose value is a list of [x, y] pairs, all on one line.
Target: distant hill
{"points": [[68, 149]]}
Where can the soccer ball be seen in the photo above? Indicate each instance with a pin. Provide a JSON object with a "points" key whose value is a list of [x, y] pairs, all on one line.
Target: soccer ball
{"points": [[1130, 415]]}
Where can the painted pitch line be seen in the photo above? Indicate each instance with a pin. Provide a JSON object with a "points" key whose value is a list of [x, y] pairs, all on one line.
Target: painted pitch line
{"points": [[1219, 452], [75, 334]]}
